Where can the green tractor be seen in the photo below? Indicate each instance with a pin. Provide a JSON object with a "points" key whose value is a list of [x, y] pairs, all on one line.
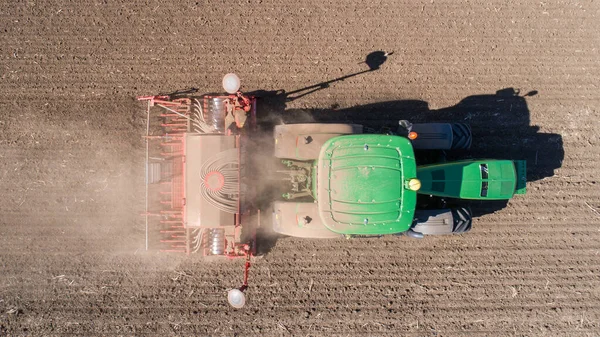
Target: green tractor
{"points": [[344, 183], [206, 184]]}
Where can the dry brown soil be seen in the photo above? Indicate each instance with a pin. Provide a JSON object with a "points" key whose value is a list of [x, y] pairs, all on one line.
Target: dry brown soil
{"points": [[72, 258]]}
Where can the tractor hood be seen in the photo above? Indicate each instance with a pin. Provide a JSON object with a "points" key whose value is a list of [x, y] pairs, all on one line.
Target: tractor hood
{"points": [[474, 179], [362, 184]]}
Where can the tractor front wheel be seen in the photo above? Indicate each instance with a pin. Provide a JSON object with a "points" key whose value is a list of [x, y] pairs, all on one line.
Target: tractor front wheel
{"points": [[456, 220]]}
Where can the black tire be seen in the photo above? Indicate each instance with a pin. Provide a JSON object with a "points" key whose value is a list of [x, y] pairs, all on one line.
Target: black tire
{"points": [[461, 136], [463, 220]]}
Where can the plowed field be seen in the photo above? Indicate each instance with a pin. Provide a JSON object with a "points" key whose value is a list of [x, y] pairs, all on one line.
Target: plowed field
{"points": [[525, 74]]}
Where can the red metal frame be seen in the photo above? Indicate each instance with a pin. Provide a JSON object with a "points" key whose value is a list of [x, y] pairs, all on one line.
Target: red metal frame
{"points": [[175, 123]]}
